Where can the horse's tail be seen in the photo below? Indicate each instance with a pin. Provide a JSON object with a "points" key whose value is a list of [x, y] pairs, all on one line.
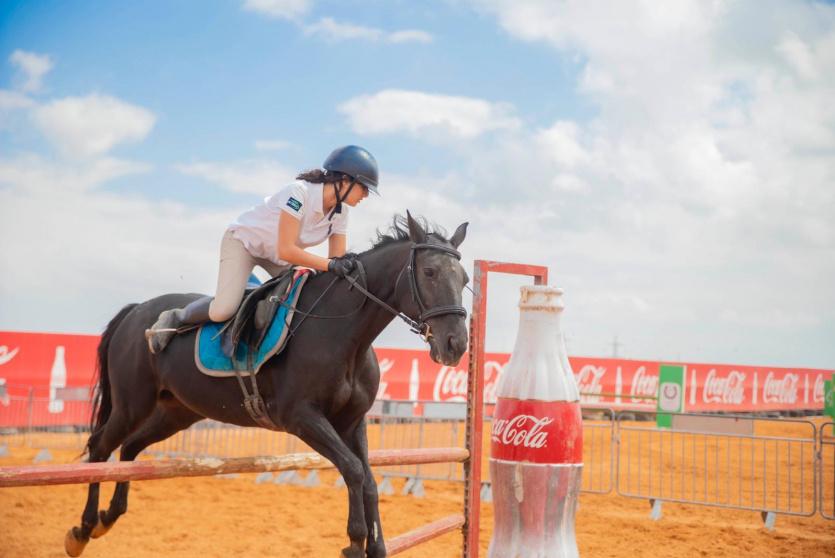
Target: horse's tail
{"points": [[102, 403]]}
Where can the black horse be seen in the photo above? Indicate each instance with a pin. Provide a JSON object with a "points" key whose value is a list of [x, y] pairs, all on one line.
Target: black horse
{"points": [[319, 388]]}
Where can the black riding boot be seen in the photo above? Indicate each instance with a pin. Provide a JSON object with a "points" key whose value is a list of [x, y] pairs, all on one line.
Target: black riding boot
{"points": [[161, 333]]}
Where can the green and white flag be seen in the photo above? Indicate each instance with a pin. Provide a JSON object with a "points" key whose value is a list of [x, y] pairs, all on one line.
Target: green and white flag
{"points": [[670, 393]]}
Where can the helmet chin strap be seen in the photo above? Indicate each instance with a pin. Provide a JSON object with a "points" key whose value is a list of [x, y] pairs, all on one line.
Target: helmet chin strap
{"points": [[339, 199]]}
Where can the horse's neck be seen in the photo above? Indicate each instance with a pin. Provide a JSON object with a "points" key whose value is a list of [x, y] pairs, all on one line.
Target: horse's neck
{"points": [[383, 268]]}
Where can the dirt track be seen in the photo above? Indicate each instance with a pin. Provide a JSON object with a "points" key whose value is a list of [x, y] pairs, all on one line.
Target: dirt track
{"points": [[221, 517]]}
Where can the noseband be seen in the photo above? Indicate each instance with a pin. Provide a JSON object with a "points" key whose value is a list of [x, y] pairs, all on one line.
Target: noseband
{"points": [[418, 325]]}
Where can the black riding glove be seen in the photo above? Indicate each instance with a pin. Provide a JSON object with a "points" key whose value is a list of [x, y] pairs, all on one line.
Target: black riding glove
{"points": [[341, 266]]}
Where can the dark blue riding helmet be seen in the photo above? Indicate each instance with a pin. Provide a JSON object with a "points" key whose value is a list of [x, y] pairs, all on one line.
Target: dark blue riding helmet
{"points": [[356, 162]]}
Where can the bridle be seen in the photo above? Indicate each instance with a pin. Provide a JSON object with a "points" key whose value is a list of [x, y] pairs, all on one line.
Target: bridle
{"points": [[419, 325]]}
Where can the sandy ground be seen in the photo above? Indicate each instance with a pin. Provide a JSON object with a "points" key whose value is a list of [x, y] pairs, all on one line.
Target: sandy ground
{"points": [[221, 517]]}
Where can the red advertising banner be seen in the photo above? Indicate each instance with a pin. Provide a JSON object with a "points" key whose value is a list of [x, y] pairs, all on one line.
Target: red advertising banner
{"points": [[55, 372]]}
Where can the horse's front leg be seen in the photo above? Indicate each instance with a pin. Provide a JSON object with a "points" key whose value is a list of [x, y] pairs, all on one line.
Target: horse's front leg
{"points": [[358, 441], [314, 429]]}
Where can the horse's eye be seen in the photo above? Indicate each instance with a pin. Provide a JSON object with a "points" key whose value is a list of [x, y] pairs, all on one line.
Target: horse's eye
{"points": [[429, 272]]}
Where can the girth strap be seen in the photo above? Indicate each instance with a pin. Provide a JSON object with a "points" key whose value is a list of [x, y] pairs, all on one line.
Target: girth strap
{"points": [[254, 403]]}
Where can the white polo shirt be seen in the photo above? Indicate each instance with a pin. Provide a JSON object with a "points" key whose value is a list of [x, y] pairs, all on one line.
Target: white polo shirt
{"points": [[257, 228]]}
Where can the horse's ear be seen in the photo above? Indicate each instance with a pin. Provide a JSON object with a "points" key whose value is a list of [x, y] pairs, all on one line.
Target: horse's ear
{"points": [[416, 232], [460, 235]]}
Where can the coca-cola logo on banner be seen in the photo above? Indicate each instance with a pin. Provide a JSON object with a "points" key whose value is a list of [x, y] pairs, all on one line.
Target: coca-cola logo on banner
{"points": [[590, 382], [643, 384], [451, 383], [492, 372], [730, 389], [783, 390], [6, 355]]}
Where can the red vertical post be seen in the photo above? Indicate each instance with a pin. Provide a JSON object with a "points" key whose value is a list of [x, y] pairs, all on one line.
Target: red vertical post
{"points": [[475, 392], [475, 412]]}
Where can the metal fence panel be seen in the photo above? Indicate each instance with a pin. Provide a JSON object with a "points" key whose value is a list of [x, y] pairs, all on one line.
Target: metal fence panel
{"points": [[826, 475], [59, 425], [772, 470], [598, 451]]}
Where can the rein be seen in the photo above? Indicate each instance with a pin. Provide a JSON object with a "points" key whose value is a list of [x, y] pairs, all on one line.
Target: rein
{"points": [[419, 325]]}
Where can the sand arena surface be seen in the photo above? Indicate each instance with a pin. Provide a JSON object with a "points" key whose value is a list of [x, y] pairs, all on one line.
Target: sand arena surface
{"points": [[221, 517]]}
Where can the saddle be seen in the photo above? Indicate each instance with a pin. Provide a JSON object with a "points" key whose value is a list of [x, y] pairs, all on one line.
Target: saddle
{"points": [[256, 332], [257, 311]]}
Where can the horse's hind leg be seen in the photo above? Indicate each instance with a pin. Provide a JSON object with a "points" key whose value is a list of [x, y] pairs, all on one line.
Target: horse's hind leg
{"points": [[102, 443], [166, 421]]}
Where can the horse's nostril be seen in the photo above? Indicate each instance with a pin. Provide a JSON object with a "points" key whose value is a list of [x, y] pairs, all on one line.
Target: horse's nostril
{"points": [[452, 343]]}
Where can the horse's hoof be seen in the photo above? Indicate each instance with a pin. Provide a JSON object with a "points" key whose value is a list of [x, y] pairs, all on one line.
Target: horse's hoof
{"points": [[100, 529], [73, 544], [351, 552]]}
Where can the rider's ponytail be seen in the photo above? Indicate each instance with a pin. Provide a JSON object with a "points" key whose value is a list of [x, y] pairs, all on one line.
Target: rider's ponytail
{"points": [[319, 176]]}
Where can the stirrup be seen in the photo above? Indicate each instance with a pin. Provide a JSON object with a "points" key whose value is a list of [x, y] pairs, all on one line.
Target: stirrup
{"points": [[150, 335]]}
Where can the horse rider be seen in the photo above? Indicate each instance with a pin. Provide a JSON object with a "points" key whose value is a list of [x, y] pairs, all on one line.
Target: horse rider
{"points": [[275, 234]]}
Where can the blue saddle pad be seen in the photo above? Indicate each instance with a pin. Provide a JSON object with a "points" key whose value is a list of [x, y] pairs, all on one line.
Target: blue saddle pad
{"points": [[208, 352]]}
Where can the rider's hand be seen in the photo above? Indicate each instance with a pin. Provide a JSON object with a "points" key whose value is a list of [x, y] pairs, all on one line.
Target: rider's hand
{"points": [[341, 266]]}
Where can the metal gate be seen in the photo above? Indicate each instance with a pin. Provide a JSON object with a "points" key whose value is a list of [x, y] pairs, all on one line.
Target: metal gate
{"points": [[766, 465]]}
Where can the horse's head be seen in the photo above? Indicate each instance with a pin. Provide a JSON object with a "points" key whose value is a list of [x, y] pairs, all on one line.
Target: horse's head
{"points": [[436, 283]]}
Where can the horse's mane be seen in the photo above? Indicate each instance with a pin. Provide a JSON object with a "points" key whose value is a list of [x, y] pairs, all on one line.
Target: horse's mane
{"points": [[398, 231]]}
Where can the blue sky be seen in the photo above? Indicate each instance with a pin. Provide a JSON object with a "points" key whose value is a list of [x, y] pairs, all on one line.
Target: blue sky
{"points": [[672, 164], [217, 75]]}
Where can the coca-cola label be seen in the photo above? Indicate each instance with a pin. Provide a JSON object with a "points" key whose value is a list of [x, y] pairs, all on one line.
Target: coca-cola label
{"points": [[643, 384], [730, 389], [590, 383], [537, 431], [6, 355], [782, 390], [451, 383]]}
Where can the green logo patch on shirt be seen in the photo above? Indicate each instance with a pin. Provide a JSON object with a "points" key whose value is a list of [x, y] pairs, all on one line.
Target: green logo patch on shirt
{"points": [[294, 204]]}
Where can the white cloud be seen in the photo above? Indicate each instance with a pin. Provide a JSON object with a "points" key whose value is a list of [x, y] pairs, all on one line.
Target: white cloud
{"points": [[279, 9], [92, 125], [12, 100], [332, 30], [797, 53], [31, 174], [700, 189], [61, 228], [561, 143], [426, 114], [253, 177], [34, 67], [271, 145], [410, 36]]}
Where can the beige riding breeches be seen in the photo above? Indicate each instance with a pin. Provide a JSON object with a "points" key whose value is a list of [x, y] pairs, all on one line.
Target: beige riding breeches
{"points": [[236, 264]]}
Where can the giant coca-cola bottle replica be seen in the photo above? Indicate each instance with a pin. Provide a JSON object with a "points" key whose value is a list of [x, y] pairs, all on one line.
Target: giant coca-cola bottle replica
{"points": [[536, 456]]}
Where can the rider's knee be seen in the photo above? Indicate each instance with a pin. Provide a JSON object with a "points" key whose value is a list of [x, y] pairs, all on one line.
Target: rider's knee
{"points": [[220, 312]]}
